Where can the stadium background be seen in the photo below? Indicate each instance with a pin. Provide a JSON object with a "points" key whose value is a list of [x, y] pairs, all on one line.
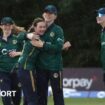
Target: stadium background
{"points": [[78, 19]]}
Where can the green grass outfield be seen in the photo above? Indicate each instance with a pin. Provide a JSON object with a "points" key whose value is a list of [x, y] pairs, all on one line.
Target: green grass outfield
{"points": [[78, 101], [81, 101]]}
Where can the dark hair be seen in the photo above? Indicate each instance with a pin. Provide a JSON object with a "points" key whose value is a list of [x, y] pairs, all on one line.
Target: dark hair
{"points": [[34, 23], [37, 20]]}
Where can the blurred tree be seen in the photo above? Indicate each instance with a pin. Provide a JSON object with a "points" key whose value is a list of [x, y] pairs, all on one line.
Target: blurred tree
{"points": [[80, 28], [78, 19]]}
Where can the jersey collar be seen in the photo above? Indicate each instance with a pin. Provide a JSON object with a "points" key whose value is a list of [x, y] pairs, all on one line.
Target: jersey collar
{"points": [[1, 37]]}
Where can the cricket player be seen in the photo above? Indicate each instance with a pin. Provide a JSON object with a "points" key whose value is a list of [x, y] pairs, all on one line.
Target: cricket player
{"points": [[49, 62], [10, 50], [101, 20], [27, 62]]}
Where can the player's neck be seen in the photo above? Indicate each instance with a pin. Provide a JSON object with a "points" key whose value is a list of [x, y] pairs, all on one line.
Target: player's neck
{"points": [[49, 23], [6, 35]]}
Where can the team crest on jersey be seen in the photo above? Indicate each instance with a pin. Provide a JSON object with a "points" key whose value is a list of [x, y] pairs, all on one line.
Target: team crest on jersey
{"points": [[55, 75], [52, 34], [14, 41]]}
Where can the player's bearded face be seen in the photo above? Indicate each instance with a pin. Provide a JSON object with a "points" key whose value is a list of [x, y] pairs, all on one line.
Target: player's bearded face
{"points": [[40, 28]]}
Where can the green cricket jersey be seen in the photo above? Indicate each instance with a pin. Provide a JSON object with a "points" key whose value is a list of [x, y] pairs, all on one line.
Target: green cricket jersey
{"points": [[50, 58], [7, 63], [103, 49], [29, 53]]}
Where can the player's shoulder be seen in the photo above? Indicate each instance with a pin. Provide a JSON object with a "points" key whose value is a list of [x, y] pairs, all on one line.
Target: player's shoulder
{"points": [[22, 33], [57, 26]]}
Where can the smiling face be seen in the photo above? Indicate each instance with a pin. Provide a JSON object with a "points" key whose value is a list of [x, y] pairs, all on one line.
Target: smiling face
{"points": [[49, 17], [7, 28], [40, 28]]}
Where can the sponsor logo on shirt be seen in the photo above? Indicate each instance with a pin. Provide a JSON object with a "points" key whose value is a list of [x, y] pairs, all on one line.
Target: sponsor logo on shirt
{"points": [[5, 51]]}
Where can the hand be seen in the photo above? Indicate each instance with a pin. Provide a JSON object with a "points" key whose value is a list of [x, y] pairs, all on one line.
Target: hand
{"points": [[35, 37], [66, 45], [14, 54], [32, 36], [37, 43]]}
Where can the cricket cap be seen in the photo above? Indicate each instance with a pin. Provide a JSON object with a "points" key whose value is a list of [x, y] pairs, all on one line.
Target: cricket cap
{"points": [[7, 20], [101, 12], [51, 9]]}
